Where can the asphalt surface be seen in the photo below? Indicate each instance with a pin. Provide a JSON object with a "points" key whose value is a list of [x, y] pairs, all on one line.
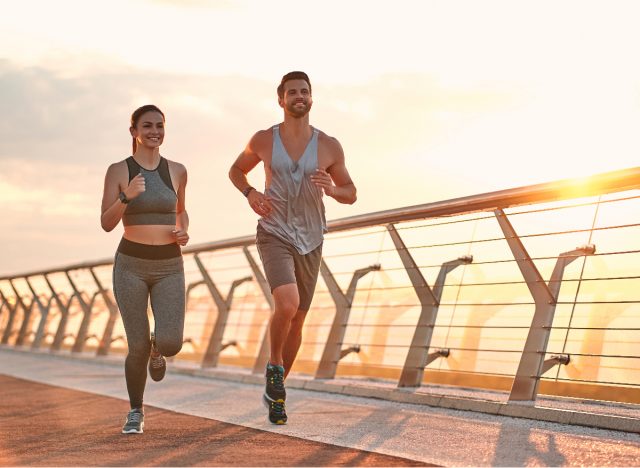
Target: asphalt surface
{"points": [[63, 427], [73, 415]]}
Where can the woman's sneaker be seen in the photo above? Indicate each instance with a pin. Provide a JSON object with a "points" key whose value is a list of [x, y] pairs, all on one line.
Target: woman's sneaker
{"points": [[134, 422], [157, 362]]}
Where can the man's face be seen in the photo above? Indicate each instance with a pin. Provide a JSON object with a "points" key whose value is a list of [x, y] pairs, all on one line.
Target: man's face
{"points": [[297, 99]]}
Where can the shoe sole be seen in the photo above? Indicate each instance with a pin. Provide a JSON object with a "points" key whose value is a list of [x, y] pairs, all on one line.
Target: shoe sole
{"points": [[155, 379], [265, 402], [132, 431]]}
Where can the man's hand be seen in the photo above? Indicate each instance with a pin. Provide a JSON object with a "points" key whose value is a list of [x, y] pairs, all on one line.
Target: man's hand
{"points": [[181, 237], [323, 180], [260, 203]]}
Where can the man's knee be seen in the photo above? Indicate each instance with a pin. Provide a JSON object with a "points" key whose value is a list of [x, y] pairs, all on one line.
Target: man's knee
{"points": [[286, 300]]}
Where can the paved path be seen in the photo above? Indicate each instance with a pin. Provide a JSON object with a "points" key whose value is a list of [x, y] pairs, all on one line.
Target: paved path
{"points": [[71, 428], [229, 427]]}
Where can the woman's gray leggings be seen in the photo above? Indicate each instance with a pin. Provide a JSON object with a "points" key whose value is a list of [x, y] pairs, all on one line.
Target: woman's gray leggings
{"points": [[135, 280]]}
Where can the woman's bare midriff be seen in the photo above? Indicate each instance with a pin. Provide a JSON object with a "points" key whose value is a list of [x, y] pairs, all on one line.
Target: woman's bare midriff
{"points": [[152, 234]]}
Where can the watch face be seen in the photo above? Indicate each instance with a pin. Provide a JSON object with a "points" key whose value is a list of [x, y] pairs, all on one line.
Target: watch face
{"points": [[123, 198]]}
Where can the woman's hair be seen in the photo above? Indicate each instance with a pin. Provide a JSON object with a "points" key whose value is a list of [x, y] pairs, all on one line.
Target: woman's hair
{"points": [[139, 112]]}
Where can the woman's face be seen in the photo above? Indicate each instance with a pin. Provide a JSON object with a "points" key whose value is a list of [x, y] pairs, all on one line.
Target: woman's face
{"points": [[149, 131]]}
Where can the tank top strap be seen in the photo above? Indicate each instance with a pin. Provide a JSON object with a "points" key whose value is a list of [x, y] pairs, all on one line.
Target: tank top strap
{"points": [[134, 168]]}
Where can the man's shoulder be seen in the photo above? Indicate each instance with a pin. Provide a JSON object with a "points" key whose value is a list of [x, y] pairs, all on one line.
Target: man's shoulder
{"points": [[262, 138], [266, 133], [329, 142]]}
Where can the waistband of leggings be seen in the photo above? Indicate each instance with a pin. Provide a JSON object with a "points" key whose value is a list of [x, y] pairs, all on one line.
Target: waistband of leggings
{"points": [[148, 251]]}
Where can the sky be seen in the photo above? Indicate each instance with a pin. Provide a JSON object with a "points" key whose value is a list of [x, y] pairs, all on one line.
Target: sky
{"points": [[431, 100]]}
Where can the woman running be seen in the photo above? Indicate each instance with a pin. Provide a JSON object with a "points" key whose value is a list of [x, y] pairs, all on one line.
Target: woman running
{"points": [[147, 192]]}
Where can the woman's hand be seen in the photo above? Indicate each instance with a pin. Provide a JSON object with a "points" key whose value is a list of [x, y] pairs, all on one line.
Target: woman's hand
{"points": [[136, 187], [181, 237]]}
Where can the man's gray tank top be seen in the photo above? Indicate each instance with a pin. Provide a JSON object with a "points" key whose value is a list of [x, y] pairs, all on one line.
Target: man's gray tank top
{"points": [[298, 212]]}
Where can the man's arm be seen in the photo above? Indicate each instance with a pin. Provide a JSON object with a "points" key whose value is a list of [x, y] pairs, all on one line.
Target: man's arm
{"points": [[335, 180], [246, 161]]}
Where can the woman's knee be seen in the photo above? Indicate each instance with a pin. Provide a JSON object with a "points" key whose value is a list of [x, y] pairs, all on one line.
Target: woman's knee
{"points": [[169, 346], [139, 352]]}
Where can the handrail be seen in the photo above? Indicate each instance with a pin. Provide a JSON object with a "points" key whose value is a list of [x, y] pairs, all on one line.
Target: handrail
{"points": [[607, 182]]}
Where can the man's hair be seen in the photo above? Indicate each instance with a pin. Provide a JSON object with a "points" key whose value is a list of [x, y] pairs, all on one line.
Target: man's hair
{"points": [[294, 75]]}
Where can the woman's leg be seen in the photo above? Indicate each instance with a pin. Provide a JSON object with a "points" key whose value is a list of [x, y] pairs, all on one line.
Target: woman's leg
{"points": [[168, 305], [132, 295]]}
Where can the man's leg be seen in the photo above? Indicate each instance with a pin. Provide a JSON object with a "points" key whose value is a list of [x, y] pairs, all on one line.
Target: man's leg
{"points": [[286, 303], [293, 341], [307, 268], [285, 306]]}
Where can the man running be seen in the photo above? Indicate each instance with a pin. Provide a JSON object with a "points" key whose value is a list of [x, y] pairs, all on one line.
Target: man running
{"points": [[301, 165]]}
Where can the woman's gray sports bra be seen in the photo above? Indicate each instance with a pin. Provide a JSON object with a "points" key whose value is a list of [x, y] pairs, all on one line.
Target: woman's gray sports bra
{"points": [[157, 204]]}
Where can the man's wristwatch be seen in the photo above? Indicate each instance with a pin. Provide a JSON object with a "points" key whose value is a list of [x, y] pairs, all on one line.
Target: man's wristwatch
{"points": [[123, 198], [247, 191]]}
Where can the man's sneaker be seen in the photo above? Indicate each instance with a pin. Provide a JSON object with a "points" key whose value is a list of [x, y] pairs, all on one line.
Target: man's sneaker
{"points": [[277, 413], [157, 362], [274, 390], [134, 423]]}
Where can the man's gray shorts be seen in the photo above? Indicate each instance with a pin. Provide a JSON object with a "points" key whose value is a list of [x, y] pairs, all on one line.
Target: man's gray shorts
{"points": [[283, 264]]}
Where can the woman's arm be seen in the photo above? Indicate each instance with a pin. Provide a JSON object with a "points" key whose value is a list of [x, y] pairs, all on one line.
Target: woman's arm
{"points": [[182, 217], [112, 208]]}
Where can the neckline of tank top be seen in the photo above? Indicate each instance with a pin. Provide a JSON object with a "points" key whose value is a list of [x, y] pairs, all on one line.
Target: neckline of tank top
{"points": [[314, 131], [148, 170]]}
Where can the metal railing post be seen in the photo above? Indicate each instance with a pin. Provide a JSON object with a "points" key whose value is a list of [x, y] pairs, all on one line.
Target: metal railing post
{"points": [[532, 363], [26, 316], [8, 331], [44, 313], [56, 345], [81, 336], [332, 351], [3, 303], [263, 353], [24, 332], [215, 345], [418, 356], [105, 342]]}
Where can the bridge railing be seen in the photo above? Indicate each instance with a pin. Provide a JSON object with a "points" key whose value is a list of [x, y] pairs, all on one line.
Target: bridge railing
{"points": [[532, 290]]}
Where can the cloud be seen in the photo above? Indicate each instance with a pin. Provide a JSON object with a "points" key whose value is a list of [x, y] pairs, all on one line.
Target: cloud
{"points": [[64, 131]]}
